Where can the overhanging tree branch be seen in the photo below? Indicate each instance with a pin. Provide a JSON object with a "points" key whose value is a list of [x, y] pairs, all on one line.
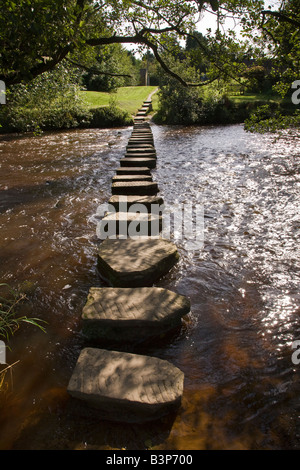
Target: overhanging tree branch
{"points": [[282, 17], [95, 71]]}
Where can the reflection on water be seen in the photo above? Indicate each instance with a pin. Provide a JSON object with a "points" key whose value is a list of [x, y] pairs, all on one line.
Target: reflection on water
{"points": [[241, 387]]}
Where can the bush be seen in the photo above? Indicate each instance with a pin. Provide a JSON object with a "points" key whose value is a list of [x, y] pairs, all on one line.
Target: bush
{"points": [[267, 119], [110, 116], [51, 101]]}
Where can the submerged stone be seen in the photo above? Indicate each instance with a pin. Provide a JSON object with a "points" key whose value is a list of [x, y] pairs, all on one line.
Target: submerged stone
{"points": [[132, 314], [135, 263], [126, 387]]}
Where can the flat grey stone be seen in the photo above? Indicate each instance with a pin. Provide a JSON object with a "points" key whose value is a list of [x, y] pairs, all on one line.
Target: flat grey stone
{"points": [[140, 155], [141, 137], [135, 263], [133, 170], [143, 161], [149, 203], [133, 224], [143, 188], [140, 149], [121, 178], [146, 132], [141, 143], [124, 386], [132, 314]]}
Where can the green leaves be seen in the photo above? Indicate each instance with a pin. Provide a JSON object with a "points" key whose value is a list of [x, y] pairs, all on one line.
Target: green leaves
{"points": [[9, 317]]}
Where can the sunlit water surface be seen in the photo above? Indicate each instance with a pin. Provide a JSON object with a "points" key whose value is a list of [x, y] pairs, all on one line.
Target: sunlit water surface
{"points": [[235, 348]]}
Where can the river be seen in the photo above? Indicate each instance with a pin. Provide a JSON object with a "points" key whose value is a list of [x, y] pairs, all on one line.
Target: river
{"points": [[235, 348]]}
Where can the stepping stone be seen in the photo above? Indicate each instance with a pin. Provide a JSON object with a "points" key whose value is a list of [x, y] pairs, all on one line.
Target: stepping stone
{"points": [[141, 142], [142, 161], [135, 263], [142, 188], [133, 170], [121, 178], [126, 387], [132, 314], [141, 150], [139, 155], [130, 224], [147, 132], [141, 135], [149, 203]]}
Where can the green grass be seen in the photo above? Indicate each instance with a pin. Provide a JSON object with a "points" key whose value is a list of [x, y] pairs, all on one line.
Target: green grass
{"points": [[127, 98], [252, 97]]}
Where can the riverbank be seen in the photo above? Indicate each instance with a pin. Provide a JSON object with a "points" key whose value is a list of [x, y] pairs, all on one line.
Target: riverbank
{"points": [[99, 110]]}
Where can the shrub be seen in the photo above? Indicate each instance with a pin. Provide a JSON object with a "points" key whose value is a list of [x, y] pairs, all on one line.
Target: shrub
{"points": [[110, 116]]}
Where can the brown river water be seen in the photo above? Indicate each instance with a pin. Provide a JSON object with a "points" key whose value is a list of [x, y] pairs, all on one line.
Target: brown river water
{"points": [[235, 348]]}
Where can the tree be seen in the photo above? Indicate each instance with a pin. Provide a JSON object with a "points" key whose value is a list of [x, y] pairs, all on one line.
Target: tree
{"points": [[111, 68], [281, 31], [36, 35]]}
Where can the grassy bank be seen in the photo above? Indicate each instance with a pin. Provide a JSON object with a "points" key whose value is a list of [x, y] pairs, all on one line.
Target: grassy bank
{"points": [[86, 109], [128, 99]]}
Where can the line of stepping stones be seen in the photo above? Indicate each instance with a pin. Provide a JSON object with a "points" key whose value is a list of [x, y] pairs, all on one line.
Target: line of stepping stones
{"points": [[126, 386]]}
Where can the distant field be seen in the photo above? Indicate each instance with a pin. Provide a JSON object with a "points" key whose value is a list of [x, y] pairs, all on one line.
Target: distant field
{"points": [[127, 98]]}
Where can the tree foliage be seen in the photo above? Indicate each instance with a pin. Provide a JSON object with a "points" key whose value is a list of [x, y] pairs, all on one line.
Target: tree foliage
{"points": [[281, 32], [36, 35]]}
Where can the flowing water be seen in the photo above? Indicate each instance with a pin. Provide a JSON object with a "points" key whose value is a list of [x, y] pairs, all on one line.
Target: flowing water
{"points": [[241, 386]]}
